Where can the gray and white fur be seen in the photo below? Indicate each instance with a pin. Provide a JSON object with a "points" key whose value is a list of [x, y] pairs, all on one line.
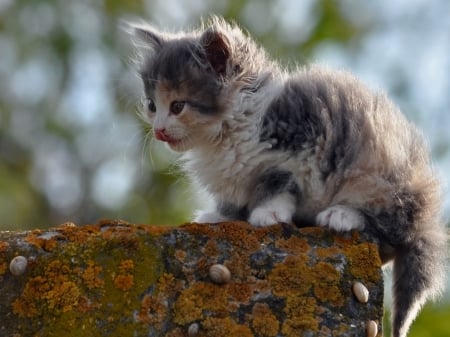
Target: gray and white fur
{"points": [[310, 147]]}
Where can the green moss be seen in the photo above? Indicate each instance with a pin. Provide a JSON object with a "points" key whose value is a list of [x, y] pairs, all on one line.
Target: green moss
{"points": [[85, 272]]}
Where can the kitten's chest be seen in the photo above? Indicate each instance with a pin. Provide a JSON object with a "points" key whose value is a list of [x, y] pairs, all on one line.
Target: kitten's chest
{"points": [[228, 172]]}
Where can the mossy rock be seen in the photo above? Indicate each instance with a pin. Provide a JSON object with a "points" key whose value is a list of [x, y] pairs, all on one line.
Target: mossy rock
{"points": [[118, 279]]}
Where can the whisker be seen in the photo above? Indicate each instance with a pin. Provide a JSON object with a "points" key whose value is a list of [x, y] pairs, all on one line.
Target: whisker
{"points": [[147, 153]]}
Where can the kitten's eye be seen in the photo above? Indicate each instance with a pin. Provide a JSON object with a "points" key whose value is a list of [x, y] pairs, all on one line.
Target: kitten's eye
{"points": [[151, 105], [176, 107]]}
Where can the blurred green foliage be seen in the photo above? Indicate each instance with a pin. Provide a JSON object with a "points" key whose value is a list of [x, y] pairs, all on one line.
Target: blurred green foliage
{"points": [[71, 145], [432, 322]]}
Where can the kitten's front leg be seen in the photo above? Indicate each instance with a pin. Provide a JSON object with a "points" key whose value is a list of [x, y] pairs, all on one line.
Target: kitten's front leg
{"points": [[278, 209], [274, 199], [341, 218], [225, 211]]}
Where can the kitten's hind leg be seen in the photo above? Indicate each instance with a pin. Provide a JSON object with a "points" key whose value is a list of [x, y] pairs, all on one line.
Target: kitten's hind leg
{"points": [[340, 218], [278, 209]]}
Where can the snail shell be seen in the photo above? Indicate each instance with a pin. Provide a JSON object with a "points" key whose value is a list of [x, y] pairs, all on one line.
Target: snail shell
{"points": [[361, 292], [371, 329], [18, 265], [219, 274], [193, 329]]}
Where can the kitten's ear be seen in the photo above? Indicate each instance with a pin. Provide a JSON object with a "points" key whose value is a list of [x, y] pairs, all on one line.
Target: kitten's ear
{"points": [[217, 49], [145, 36]]}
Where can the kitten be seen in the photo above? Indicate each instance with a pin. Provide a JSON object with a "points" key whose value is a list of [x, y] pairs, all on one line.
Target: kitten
{"points": [[310, 147]]}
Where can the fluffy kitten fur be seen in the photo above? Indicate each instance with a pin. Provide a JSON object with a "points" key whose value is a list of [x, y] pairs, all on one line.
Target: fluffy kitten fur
{"points": [[313, 147]]}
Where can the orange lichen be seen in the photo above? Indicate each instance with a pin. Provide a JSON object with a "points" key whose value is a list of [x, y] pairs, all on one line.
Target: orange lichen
{"points": [[53, 292], [294, 245], [3, 267], [200, 297], [241, 292], [225, 327], [312, 231], [326, 285], [239, 234], [210, 248], [180, 255], [24, 308], [154, 307], [64, 296], [124, 281], [91, 276], [299, 306], [292, 276], [341, 240], [156, 230], [360, 257], [3, 264], [169, 285], [327, 252], [79, 235], [329, 294], [239, 265], [297, 326], [264, 322], [3, 246], [126, 265], [41, 242], [153, 310]]}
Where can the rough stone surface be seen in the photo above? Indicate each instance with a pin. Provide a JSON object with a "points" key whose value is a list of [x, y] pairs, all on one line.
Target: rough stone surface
{"points": [[118, 279]]}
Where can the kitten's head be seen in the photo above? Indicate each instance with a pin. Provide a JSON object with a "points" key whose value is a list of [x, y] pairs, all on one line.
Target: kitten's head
{"points": [[191, 80]]}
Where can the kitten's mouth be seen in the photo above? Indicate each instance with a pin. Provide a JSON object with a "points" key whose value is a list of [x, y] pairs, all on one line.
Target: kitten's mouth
{"points": [[176, 144], [164, 137], [172, 142]]}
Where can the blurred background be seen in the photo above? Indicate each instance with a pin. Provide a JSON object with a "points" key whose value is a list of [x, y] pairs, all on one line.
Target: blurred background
{"points": [[73, 149]]}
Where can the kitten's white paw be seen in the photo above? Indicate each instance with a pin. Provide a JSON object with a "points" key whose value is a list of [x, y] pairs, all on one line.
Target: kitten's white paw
{"points": [[340, 218], [262, 217], [209, 217], [279, 209]]}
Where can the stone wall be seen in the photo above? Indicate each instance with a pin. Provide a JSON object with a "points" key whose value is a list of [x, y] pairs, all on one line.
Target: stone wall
{"points": [[119, 279]]}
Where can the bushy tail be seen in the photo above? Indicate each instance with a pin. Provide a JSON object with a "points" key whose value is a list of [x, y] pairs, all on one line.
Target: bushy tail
{"points": [[419, 273]]}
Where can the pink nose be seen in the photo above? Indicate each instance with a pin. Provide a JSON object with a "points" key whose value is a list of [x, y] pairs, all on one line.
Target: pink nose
{"points": [[161, 134]]}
